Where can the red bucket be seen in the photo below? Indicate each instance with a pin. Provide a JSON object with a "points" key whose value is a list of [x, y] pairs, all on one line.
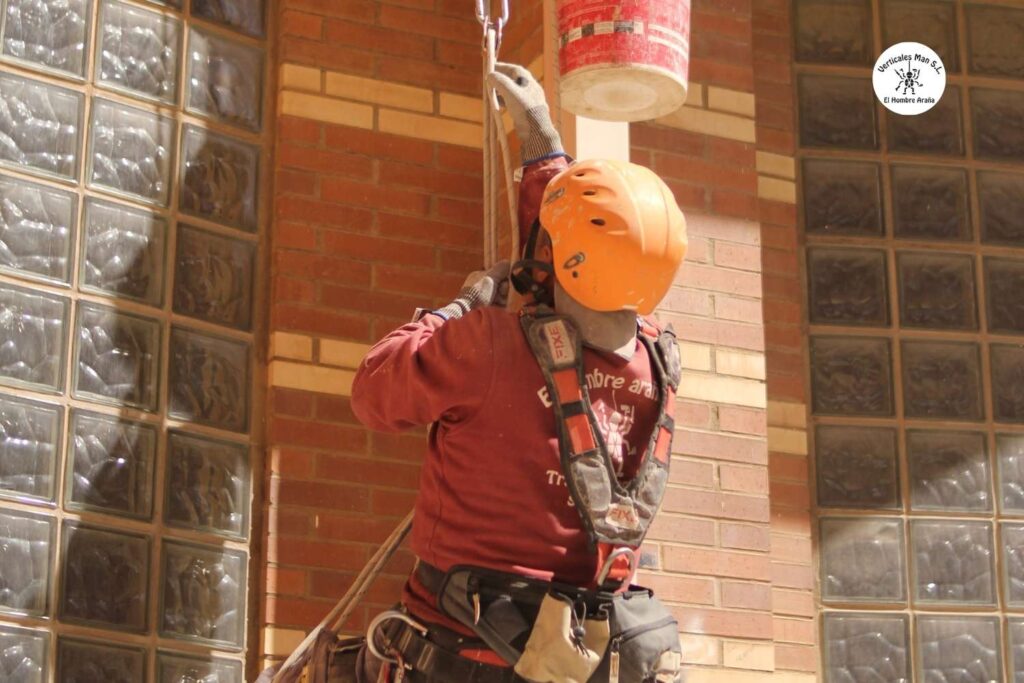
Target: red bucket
{"points": [[626, 60]]}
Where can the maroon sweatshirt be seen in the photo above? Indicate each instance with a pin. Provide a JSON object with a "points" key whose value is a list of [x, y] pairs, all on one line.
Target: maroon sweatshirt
{"points": [[491, 489]]}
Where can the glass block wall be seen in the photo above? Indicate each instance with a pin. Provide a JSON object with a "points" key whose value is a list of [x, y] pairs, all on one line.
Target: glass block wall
{"points": [[132, 142], [914, 262]]}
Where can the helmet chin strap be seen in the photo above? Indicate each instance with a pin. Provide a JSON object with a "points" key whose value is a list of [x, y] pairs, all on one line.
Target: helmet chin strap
{"points": [[609, 331]]}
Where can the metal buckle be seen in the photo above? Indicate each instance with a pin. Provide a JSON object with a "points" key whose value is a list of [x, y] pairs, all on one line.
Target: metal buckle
{"points": [[371, 631], [606, 568]]}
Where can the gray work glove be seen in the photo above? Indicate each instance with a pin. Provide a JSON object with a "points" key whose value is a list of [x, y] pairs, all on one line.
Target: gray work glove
{"points": [[524, 99], [481, 288]]}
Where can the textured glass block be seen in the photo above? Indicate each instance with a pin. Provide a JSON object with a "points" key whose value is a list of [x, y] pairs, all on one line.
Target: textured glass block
{"points": [[23, 655], [1010, 458], [50, 33], [117, 357], [242, 15], [959, 649], [79, 661], [837, 112], [26, 547], [936, 131], [123, 252], [942, 380], [862, 559], [138, 51], [1012, 536], [1004, 283], [1007, 382], [224, 80], [174, 668], [130, 151], [39, 127], [833, 31], [923, 21], [851, 376], [948, 471], [1001, 202], [952, 561], [998, 123], [842, 197], [105, 576], [1015, 632], [994, 37], [862, 648], [36, 228], [209, 380], [112, 465], [219, 178], [207, 484], [937, 291], [32, 337], [930, 203], [213, 277], [847, 286], [29, 440], [203, 593], [856, 467]]}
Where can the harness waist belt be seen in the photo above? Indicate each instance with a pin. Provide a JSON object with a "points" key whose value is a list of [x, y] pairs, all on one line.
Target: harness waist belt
{"points": [[433, 660]]}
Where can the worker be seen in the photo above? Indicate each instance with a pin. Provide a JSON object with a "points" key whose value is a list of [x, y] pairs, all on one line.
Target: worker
{"points": [[549, 447]]}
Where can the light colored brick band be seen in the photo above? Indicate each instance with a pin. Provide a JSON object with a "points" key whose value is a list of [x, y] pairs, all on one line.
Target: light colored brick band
{"points": [[373, 104], [298, 361]]}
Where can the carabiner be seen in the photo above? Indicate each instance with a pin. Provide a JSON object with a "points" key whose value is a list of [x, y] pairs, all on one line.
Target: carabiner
{"points": [[602, 576], [371, 632]]}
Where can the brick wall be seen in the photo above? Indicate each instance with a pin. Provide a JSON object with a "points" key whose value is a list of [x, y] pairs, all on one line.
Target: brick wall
{"points": [[378, 210]]}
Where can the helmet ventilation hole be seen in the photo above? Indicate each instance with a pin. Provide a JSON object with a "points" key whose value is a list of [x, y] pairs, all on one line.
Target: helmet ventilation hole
{"points": [[580, 174], [597, 221], [589, 193], [575, 273]]}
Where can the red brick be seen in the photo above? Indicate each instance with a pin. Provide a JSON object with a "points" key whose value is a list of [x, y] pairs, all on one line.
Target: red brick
{"points": [[723, 50], [315, 320], [724, 333], [710, 174], [365, 194], [663, 140], [289, 522], [369, 301], [790, 548], [295, 612], [717, 563], [792, 576], [733, 76], [291, 402], [335, 409], [787, 467], [317, 494], [291, 463], [740, 310], [717, 505], [724, 280], [459, 29], [796, 657], [736, 27], [394, 503], [359, 10], [692, 473], [294, 236], [415, 281], [378, 40], [324, 162], [688, 196], [326, 56], [730, 624], [377, 249], [355, 528], [731, 153], [295, 182], [294, 129], [693, 414], [285, 581], [323, 213], [795, 631], [371, 472], [790, 495], [772, 140], [667, 527], [756, 596], [295, 290], [321, 267], [463, 212], [414, 72], [783, 312], [728, 203], [688, 301], [462, 55], [434, 181], [331, 437], [793, 603], [405, 446], [688, 590], [721, 446], [743, 479], [373, 144], [461, 159], [460, 261], [742, 420], [316, 553], [740, 256], [301, 24], [744, 536]]}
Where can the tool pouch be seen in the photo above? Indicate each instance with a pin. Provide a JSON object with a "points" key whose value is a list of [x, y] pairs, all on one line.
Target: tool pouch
{"points": [[564, 646], [644, 643]]}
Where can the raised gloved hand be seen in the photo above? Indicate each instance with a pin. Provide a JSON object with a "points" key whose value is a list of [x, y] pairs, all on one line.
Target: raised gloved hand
{"points": [[481, 288], [524, 99]]}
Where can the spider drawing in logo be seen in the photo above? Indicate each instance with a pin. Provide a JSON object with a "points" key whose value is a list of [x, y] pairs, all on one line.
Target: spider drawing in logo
{"points": [[908, 80]]}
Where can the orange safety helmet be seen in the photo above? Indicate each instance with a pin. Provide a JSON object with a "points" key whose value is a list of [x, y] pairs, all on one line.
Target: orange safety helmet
{"points": [[617, 234]]}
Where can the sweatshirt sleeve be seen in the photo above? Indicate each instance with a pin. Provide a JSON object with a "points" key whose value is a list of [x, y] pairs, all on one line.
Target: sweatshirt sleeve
{"points": [[426, 371], [531, 190]]}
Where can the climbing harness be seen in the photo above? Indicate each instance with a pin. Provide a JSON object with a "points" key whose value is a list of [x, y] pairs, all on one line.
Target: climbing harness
{"points": [[494, 137]]}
